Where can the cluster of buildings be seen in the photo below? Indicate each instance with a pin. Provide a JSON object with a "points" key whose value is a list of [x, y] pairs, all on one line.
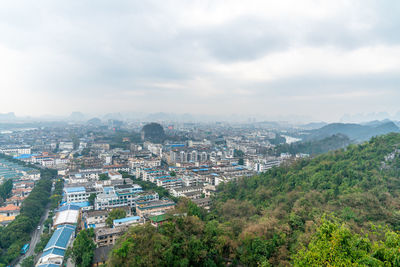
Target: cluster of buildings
{"points": [[97, 168], [23, 181]]}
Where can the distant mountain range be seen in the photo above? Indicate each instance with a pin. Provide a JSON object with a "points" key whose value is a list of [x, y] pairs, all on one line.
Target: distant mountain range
{"points": [[365, 117], [355, 132]]}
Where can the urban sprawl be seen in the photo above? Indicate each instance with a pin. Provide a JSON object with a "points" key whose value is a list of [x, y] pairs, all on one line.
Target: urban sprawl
{"points": [[115, 165]]}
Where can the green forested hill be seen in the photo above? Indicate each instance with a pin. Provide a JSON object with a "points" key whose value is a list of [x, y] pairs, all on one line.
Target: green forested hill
{"points": [[315, 147], [356, 132], [275, 218]]}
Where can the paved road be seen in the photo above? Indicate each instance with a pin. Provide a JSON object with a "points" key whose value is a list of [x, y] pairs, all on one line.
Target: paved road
{"points": [[35, 238]]}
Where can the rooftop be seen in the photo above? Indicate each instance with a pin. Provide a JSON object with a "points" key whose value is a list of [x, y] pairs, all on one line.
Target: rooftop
{"points": [[60, 237], [155, 204], [9, 207], [69, 207], [75, 189], [159, 218], [189, 188], [48, 265], [128, 219], [54, 251], [92, 213], [109, 231], [4, 218]]}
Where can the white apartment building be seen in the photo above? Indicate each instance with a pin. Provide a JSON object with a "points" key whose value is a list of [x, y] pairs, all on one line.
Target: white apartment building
{"points": [[15, 150], [76, 194], [142, 162], [66, 146]]}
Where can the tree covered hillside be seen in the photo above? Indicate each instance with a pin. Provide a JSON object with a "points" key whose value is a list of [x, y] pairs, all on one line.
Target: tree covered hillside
{"points": [[275, 218], [360, 185], [315, 147]]}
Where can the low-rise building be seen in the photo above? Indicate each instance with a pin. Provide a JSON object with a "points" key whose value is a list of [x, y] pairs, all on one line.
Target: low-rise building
{"points": [[67, 214], [144, 162], [203, 202], [114, 175], [97, 218], [15, 200], [182, 191], [108, 236], [117, 196], [158, 220], [4, 220], [76, 194], [53, 253], [154, 207], [169, 182], [94, 218], [9, 210], [127, 221]]}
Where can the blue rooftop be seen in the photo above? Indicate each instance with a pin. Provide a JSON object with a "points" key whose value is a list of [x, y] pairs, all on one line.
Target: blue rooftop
{"points": [[82, 204], [48, 265], [107, 189], [75, 189], [56, 251], [165, 176], [69, 207], [60, 237], [128, 219], [177, 145], [23, 156]]}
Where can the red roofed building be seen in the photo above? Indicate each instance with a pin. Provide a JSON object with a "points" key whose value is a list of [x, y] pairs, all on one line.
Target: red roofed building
{"points": [[9, 210], [15, 200]]}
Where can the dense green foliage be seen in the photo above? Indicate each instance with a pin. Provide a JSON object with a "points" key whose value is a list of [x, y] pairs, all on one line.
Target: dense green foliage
{"points": [[182, 241], [238, 153], [266, 219], [334, 244], [103, 177], [82, 251], [114, 215], [5, 190], [44, 239], [153, 132], [116, 139], [277, 140], [356, 184], [56, 197], [17, 233], [92, 198], [315, 147], [28, 262]]}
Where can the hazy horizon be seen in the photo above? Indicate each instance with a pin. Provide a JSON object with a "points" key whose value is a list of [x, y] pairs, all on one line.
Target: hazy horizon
{"points": [[316, 60]]}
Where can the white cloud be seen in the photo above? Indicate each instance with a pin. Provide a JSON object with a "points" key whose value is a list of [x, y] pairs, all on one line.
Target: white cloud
{"points": [[233, 55]]}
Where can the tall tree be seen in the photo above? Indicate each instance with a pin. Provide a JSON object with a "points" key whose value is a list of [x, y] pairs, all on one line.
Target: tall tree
{"points": [[83, 248], [115, 214]]}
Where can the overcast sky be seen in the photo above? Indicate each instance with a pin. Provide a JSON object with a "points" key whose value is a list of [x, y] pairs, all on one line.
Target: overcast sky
{"points": [[320, 59]]}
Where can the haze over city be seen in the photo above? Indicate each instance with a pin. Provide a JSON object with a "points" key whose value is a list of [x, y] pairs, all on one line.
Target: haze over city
{"points": [[199, 133], [318, 60]]}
